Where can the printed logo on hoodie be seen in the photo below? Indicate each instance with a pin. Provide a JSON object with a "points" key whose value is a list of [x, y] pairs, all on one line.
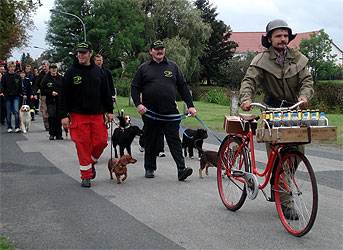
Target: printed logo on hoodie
{"points": [[77, 79]]}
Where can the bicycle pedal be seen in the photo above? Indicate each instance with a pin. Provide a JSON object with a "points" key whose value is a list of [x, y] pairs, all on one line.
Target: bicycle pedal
{"points": [[237, 173]]}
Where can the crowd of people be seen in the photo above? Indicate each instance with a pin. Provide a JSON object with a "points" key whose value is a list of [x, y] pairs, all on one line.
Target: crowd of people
{"points": [[82, 99]]}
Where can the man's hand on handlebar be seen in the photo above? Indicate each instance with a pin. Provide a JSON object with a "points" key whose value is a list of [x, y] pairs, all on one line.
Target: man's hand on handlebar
{"points": [[246, 106], [305, 102]]}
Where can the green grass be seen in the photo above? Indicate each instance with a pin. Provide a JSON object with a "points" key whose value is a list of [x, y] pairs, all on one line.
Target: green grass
{"points": [[5, 245], [213, 116]]}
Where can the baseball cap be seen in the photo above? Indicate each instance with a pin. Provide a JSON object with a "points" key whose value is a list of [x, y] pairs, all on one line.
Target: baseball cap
{"points": [[53, 65], [157, 44], [84, 47]]}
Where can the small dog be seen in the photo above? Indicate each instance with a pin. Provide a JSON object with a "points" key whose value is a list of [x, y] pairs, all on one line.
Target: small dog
{"points": [[118, 167], [193, 136], [208, 159], [124, 135], [25, 118]]}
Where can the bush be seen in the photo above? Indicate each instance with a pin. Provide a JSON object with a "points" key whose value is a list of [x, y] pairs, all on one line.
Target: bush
{"points": [[218, 97], [123, 86]]}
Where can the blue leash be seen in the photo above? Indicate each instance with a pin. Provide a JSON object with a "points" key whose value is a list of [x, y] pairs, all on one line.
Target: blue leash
{"points": [[178, 119], [208, 129]]}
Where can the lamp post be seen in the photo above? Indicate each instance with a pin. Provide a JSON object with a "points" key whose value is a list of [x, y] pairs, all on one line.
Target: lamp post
{"points": [[69, 14], [36, 47]]}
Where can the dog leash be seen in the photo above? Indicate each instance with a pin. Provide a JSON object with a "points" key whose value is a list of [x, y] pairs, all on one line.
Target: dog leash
{"points": [[180, 116], [208, 129], [111, 140], [184, 132]]}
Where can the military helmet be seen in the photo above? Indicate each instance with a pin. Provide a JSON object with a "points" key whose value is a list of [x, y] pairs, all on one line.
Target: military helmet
{"points": [[276, 24]]}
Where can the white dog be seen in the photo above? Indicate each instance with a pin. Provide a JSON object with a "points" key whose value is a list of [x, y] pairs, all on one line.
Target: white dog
{"points": [[25, 118]]}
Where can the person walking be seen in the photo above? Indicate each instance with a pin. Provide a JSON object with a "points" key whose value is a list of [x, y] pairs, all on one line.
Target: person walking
{"points": [[85, 96], [2, 99], [29, 77], [36, 90], [282, 75], [51, 88], [11, 89], [98, 59], [154, 88]]}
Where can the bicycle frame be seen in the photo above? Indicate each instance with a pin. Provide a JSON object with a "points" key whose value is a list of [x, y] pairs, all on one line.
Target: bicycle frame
{"points": [[248, 143]]}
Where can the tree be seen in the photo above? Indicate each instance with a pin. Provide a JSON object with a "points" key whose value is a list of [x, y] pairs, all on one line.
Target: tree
{"points": [[15, 22], [114, 28], [218, 48], [317, 49], [179, 24], [26, 59]]}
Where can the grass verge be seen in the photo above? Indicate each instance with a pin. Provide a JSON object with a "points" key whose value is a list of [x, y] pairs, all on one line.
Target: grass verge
{"points": [[5, 245], [213, 116]]}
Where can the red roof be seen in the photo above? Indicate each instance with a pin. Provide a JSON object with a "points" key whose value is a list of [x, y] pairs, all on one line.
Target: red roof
{"points": [[251, 41]]}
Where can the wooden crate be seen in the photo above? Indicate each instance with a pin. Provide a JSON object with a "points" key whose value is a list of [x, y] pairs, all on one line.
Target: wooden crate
{"points": [[233, 125], [294, 135]]}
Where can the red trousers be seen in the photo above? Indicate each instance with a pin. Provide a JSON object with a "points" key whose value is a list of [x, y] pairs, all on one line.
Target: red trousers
{"points": [[90, 136]]}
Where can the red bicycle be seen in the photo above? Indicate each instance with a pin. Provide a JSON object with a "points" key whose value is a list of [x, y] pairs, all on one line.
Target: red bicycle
{"points": [[293, 186]]}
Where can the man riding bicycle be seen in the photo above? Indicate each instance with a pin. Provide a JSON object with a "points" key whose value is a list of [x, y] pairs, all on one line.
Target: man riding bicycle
{"points": [[282, 75]]}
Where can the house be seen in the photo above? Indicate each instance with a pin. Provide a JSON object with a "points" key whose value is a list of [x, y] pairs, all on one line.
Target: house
{"points": [[251, 41]]}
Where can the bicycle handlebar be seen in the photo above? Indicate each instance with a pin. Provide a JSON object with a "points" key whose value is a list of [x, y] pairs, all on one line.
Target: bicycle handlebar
{"points": [[254, 104]]}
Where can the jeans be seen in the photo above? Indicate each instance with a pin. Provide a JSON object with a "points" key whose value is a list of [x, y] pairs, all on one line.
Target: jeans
{"points": [[12, 105]]}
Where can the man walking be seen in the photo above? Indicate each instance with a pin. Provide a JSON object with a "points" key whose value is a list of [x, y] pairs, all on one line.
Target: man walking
{"points": [[154, 87], [85, 96], [99, 61]]}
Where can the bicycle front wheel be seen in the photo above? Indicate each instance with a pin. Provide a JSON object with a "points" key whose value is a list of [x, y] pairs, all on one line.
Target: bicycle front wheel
{"points": [[231, 189], [296, 194]]}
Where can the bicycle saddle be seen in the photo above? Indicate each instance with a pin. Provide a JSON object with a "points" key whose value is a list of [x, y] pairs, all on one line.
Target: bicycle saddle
{"points": [[249, 117]]}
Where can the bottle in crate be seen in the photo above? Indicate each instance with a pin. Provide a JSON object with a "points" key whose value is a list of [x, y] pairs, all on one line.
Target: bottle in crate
{"points": [[276, 121], [314, 120], [305, 121], [323, 121], [295, 120], [285, 122]]}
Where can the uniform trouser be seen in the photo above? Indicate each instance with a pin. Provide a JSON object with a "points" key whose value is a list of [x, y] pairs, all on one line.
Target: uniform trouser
{"points": [[286, 200], [3, 109], [44, 110], [152, 131], [55, 127], [90, 135]]}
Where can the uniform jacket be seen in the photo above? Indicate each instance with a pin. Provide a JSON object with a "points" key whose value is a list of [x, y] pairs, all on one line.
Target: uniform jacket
{"points": [[287, 81], [158, 82], [85, 90], [11, 85], [49, 84]]}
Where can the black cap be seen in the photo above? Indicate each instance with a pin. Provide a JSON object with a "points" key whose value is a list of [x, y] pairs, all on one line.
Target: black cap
{"points": [[84, 47], [53, 65], [157, 44]]}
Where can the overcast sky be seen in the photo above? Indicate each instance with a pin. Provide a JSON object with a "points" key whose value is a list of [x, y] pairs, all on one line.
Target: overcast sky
{"points": [[240, 15]]}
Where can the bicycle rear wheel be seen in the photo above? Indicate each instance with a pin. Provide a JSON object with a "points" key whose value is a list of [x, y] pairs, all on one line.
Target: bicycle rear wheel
{"points": [[231, 189], [296, 194]]}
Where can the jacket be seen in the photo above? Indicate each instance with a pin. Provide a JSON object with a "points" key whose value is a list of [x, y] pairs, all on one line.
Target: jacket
{"points": [[49, 84], [11, 85], [287, 81], [84, 90]]}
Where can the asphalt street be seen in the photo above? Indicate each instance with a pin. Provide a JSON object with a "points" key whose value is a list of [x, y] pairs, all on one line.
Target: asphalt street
{"points": [[43, 206]]}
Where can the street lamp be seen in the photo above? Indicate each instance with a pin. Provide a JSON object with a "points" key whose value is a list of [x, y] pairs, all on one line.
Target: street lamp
{"points": [[36, 47], [66, 13]]}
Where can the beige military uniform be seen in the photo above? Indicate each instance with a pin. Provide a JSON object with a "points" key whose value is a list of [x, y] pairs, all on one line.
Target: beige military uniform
{"points": [[283, 81]]}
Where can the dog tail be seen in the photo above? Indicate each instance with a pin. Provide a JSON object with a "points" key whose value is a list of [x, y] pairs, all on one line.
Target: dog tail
{"points": [[198, 146]]}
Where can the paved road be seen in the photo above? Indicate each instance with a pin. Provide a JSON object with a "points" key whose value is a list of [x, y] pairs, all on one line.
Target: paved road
{"points": [[43, 205]]}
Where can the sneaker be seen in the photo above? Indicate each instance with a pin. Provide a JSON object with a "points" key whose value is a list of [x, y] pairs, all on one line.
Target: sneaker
{"points": [[9, 130], [184, 173], [161, 154], [149, 173], [17, 130], [51, 137], [86, 183], [93, 171], [290, 213], [59, 138]]}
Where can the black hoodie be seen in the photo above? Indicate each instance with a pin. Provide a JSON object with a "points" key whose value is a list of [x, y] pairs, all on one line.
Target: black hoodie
{"points": [[84, 90]]}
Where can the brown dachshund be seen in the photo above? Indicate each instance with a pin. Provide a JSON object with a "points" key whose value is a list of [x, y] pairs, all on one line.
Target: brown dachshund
{"points": [[118, 167]]}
